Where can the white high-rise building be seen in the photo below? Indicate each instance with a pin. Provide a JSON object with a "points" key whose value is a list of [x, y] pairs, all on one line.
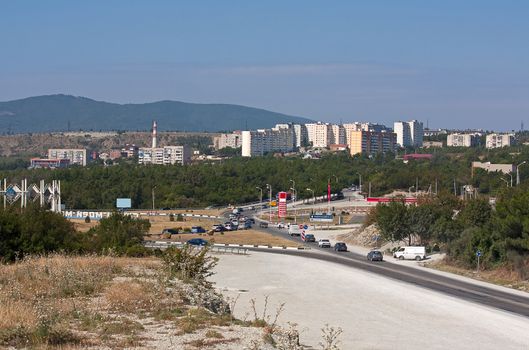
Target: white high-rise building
{"points": [[338, 134], [409, 133], [262, 141], [499, 140], [232, 140], [167, 155], [319, 134], [300, 135]]}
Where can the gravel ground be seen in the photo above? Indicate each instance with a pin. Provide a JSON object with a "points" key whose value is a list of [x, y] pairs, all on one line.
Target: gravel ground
{"points": [[374, 312]]}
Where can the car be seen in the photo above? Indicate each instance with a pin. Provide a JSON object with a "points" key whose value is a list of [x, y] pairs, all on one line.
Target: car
{"points": [[171, 231], [324, 243], [263, 224], [375, 255], [247, 225], [280, 225], [229, 226], [308, 237], [198, 242], [218, 228], [252, 220], [198, 229], [340, 247]]}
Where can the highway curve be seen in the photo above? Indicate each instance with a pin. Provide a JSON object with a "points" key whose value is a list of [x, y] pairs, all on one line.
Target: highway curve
{"points": [[493, 297]]}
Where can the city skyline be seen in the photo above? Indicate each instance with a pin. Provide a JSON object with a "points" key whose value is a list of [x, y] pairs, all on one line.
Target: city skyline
{"points": [[451, 65]]}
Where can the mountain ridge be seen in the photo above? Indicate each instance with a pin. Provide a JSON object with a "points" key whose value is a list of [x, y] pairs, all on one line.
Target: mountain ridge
{"points": [[61, 112]]}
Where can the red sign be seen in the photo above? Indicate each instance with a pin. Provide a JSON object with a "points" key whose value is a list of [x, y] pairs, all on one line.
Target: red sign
{"points": [[282, 205]]}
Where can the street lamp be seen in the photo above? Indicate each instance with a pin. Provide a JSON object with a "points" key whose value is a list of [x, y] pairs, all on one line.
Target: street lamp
{"points": [[506, 182], [295, 209], [153, 196], [313, 198], [269, 202], [359, 181], [260, 197], [518, 172], [294, 190], [510, 174], [409, 190]]}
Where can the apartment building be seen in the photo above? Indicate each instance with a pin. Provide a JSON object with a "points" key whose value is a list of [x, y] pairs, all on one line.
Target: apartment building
{"points": [[499, 140], [167, 155], [232, 140], [372, 142], [74, 155], [262, 141], [409, 134], [462, 140], [301, 136], [320, 134], [338, 134]]}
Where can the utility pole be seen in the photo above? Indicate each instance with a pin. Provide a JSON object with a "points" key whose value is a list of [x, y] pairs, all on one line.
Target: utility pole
{"points": [[369, 194], [359, 182], [455, 188]]}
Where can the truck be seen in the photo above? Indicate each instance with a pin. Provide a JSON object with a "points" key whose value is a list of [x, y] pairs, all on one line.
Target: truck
{"points": [[410, 253], [295, 230]]}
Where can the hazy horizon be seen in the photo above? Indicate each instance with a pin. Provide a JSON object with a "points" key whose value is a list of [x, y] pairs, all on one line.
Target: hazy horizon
{"points": [[453, 64]]}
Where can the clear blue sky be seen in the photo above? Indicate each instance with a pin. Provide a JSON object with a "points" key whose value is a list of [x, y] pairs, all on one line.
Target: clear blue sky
{"points": [[455, 63]]}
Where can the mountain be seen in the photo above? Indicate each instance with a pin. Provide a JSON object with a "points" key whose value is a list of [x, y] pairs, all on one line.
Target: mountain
{"points": [[65, 112]]}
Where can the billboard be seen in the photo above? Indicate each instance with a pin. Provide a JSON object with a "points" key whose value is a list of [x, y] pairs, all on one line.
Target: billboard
{"points": [[282, 206], [123, 203]]}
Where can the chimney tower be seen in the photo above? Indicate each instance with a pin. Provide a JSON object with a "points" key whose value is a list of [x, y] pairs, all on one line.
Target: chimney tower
{"points": [[154, 139]]}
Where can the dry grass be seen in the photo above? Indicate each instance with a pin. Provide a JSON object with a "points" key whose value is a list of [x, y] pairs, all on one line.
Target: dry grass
{"points": [[252, 237], [130, 296], [504, 275]]}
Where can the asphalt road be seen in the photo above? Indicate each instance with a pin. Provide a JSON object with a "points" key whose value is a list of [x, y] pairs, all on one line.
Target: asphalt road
{"points": [[491, 297]]}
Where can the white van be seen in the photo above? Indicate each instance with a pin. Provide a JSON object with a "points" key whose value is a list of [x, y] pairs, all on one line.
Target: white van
{"points": [[295, 230], [410, 253]]}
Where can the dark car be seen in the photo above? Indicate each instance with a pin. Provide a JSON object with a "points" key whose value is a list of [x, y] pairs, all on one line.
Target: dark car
{"points": [[198, 242], [375, 255], [340, 247], [171, 231], [219, 228], [197, 229], [263, 224]]}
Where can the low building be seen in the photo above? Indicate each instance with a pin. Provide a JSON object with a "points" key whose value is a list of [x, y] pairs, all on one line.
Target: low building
{"points": [[338, 147], [499, 140], [372, 142], [430, 144], [462, 140], [488, 166], [418, 156], [115, 154], [36, 163], [129, 151], [167, 155], [74, 155]]}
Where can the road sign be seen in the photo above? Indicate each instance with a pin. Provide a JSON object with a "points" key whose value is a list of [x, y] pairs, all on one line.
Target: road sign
{"points": [[305, 227], [321, 218], [478, 253]]}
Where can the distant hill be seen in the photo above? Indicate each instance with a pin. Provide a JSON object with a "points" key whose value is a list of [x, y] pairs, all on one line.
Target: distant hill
{"points": [[65, 112]]}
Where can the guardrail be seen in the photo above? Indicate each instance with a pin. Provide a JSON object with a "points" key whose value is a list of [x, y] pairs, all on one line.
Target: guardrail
{"points": [[233, 248]]}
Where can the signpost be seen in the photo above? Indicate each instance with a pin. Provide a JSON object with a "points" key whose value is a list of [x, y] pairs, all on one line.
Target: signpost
{"points": [[478, 254], [123, 203]]}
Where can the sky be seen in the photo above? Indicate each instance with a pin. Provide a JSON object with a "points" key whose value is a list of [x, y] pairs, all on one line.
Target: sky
{"points": [[450, 64]]}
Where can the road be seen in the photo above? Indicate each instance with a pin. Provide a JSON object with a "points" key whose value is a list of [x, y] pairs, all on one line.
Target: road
{"points": [[493, 297]]}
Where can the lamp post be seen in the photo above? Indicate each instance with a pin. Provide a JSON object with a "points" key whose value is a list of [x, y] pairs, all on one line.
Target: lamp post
{"points": [[153, 188], [260, 197], [313, 198], [409, 190], [269, 202], [294, 190], [295, 209], [510, 174], [506, 181], [518, 172], [359, 181]]}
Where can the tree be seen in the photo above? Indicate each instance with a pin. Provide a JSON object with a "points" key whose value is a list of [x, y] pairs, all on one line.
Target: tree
{"points": [[393, 221]]}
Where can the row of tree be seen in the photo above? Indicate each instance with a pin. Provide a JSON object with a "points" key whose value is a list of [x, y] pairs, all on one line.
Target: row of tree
{"points": [[35, 230], [500, 233]]}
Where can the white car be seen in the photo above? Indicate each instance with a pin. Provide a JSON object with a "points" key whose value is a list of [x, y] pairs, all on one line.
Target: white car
{"points": [[280, 225], [324, 243]]}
